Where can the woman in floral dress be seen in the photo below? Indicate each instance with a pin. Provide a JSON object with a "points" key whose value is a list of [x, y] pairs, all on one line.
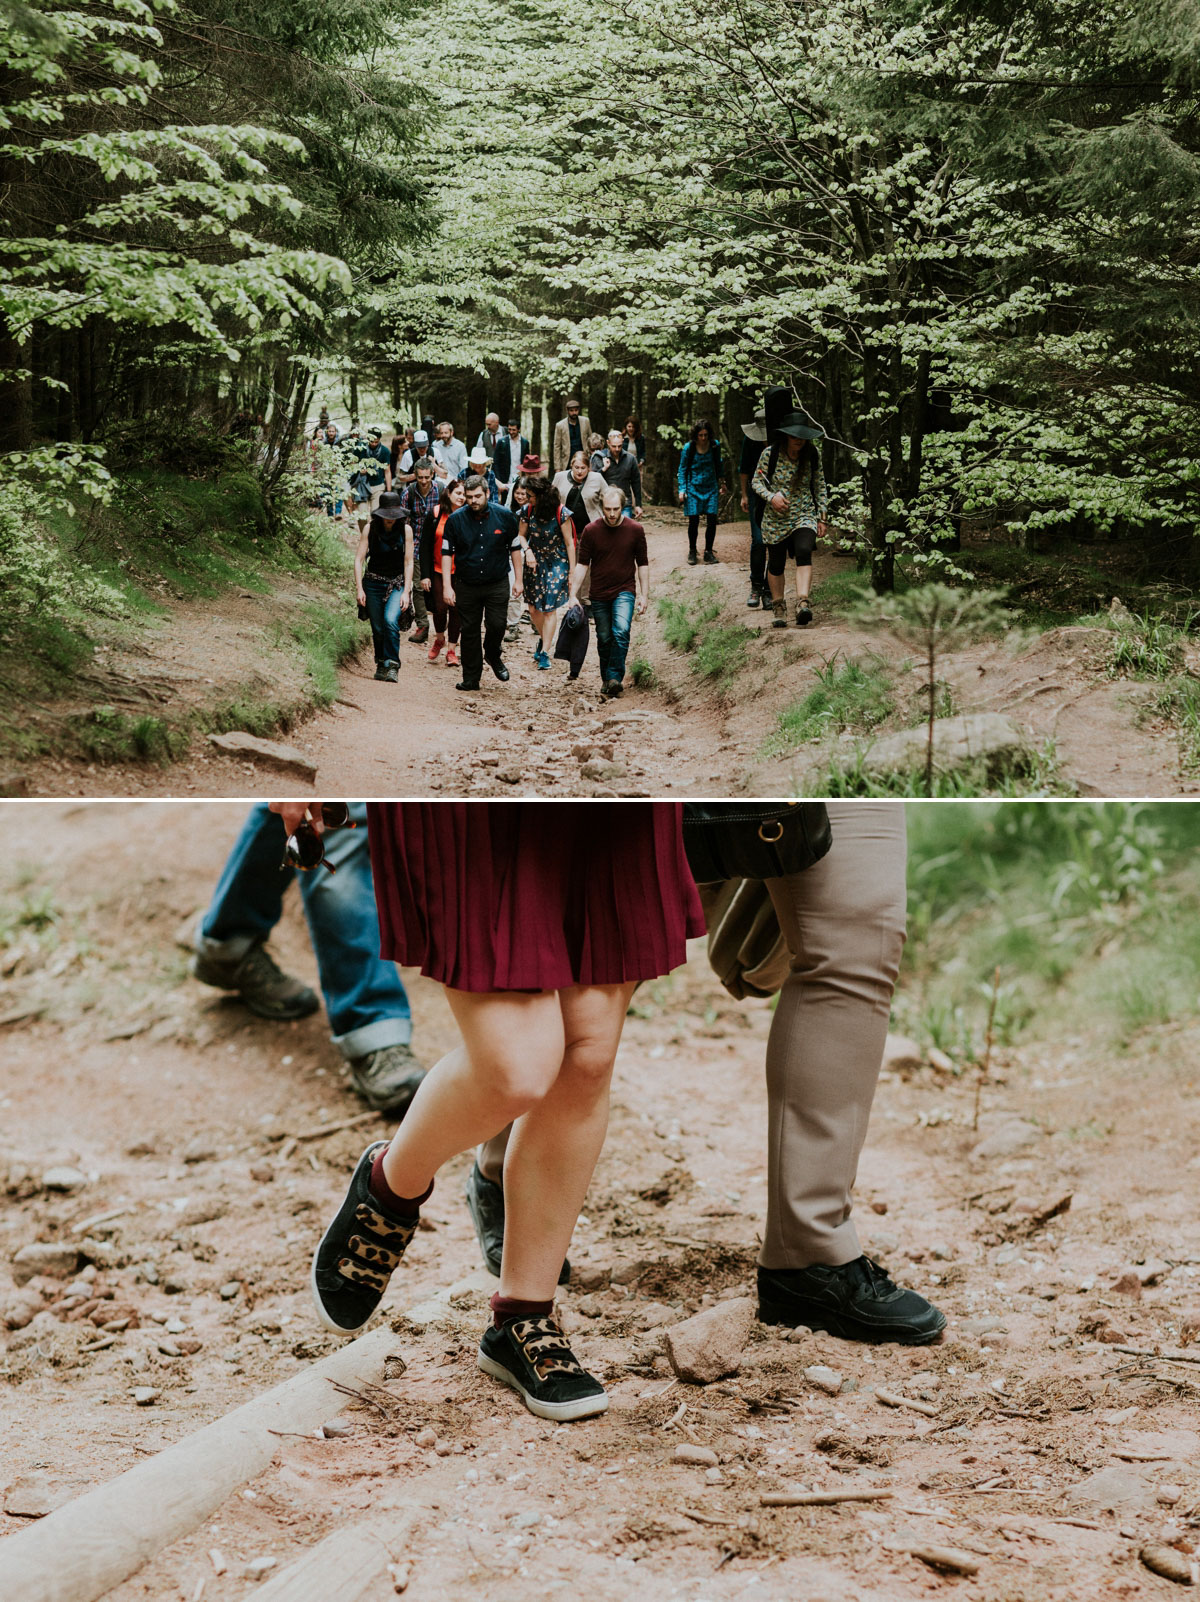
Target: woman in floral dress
{"points": [[548, 537]]}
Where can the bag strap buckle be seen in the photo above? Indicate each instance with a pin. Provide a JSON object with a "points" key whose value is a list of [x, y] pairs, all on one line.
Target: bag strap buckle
{"points": [[775, 824]]}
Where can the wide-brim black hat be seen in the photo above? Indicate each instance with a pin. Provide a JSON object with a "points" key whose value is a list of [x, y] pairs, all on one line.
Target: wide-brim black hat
{"points": [[801, 426], [389, 501], [785, 416]]}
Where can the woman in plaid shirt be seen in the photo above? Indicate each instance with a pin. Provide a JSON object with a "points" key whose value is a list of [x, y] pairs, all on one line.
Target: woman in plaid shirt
{"points": [[795, 507]]}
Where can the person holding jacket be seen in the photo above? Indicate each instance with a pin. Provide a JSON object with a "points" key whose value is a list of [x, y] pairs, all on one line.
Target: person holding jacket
{"points": [[701, 484], [446, 624], [791, 481]]}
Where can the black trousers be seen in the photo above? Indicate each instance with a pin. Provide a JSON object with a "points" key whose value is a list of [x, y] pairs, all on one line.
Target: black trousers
{"points": [[481, 606]]}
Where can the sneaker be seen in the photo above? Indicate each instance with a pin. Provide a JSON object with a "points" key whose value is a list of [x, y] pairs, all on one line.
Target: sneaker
{"points": [[711, 558], [803, 613], [352, 1265], [381, 671], [856, 1301], [692, 558], [387, 1079], [532, 1355], [779, 621], [754, 599], [391, 672], [451, 656], [435, 648], [419, 636], [485, 1201], [261, 983]]}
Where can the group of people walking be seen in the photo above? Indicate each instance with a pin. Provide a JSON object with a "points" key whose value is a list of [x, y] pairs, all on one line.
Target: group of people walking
{"points": [[457, 887], [462, 547]]}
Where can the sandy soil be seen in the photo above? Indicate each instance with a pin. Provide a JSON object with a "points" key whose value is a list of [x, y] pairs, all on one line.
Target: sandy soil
{"points": [[1048, 1454], [539, 734]]}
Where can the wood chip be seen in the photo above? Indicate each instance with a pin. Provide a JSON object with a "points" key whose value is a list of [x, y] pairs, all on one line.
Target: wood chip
{"points": [[705, 1518], [947, 1558], [1169, 1356], [894, 1399], [675, 1418], [98, 1346], [332, 1129], [819, 1498]]}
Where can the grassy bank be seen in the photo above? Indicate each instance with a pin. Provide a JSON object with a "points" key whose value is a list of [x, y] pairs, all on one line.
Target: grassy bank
{"points": [[108, 598]]}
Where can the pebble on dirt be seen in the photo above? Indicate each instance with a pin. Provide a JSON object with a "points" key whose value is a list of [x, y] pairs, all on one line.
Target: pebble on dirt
{"points": [[700, 1456], [257, 1567], [709, 1345], [336, 1428], [825, 1379], [145, 1395], [230, 1289], [1170, 1564], [64, 1178], [426, 1437], [32, 1497], [54, 1258]]}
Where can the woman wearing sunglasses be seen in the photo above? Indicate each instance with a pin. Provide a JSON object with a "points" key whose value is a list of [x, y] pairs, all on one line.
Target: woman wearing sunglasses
{"points": [[460, 887]]}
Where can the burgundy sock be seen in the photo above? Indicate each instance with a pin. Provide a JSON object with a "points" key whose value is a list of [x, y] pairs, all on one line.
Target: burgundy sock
{"points": [[506, 1307], [404, 1206]]}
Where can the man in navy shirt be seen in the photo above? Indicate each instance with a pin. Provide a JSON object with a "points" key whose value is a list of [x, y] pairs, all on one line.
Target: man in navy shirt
{"points": [[482, 542]]}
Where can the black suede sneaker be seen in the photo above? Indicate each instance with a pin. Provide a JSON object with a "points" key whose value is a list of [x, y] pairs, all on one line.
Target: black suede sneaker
{"points": [[352, 1265], [856, 1301], [485, 1199], [532, 1355]]}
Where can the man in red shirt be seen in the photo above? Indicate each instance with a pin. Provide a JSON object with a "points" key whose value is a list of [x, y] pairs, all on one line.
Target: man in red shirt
{"points": [[613, 549]]}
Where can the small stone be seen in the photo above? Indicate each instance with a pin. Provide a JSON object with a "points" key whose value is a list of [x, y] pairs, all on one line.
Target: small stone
{"points": [[713, 1476], [145, 1395], [1168, 1495], [52, 1258], [902, 1056], [1129, 1284], [230, 1289], [174, 1326], [169, 1349], [1167, 1562], [190, 1347], [939, 1060], [527, 1520], [824, 1379], [1015, 1135], [425, 1437], [272, 753], [217, 1559], [257, 1567], [1189, 1326], [595, 1276], [200, 1150], [32, 1497], [64, 1178], [142, 1147], [879, 1207], [1108, 1336], [655, 1314], [399, 1573], [982, 1326], [443, 1448], [800, 1333], [699, 1456], [709, 1345], [262, 1173], [173, 1285], [1117, 1489], [337, 1429]]}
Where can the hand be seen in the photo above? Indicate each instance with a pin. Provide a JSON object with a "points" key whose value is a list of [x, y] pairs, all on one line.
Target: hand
{"points": [[517, 592], [822, 530], [448, 593], [530, 559], [745, 503], [426, 584], [679, 497], [294, 814], [405, 598], [362, 596], [637, 512], [779, 501], [641, 606]]}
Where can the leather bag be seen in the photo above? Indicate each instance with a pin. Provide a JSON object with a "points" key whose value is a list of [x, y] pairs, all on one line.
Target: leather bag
{"points": [[744, 840]]}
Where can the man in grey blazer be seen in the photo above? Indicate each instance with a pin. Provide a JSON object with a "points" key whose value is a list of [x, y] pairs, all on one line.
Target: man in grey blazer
{"points": [[570, 435], [843, 922]]}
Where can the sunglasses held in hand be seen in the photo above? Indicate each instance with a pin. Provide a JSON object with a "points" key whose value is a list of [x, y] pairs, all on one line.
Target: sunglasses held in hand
{"points": [[305, 849]]}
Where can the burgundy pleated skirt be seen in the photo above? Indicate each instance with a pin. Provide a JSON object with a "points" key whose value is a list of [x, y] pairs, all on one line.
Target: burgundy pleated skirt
{"points": [[517, 895]]}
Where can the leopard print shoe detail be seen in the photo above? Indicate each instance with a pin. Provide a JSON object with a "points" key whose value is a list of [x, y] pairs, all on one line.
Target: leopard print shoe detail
{"points": [[357, 1255], [533, 1356]]}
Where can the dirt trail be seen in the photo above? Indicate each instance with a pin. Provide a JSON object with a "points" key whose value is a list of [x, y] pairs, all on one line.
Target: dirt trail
{"points": [[539, 734], [1050, 1455]]}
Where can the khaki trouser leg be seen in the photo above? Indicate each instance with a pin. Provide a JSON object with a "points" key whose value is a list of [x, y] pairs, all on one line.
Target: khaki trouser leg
{"points": [[844, 924]]}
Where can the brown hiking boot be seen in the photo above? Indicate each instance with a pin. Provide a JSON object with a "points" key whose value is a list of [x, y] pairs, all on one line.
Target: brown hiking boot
{"points": [[779, 608], [260, 981]]}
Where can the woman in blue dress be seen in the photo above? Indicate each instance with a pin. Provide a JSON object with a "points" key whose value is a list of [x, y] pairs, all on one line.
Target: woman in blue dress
{"points": [[548, 535], [700, 487]]}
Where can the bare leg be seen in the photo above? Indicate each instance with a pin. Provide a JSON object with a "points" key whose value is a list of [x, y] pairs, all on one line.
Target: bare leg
{"points": [[511, 1054], [803, 582], [554, 1146]]}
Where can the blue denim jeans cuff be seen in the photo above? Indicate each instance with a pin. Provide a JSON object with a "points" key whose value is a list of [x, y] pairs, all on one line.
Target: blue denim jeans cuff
{"points": [[375, 1036]]}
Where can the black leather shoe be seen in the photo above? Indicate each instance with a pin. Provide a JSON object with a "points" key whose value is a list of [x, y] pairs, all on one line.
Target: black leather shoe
{"points": [[463, 685], [856, 1301], [499, 669], [485, 1199]]}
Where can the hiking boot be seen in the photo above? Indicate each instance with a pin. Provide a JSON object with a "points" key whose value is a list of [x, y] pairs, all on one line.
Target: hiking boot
{"points": [[512, 633], [856, 1301], [387, 1079], [754, 598], [381, 671], [693, 558], [803, 613], [451, 656], [711, 558], [499, 669], [435, 649], [532, 1355], [419, 636], [391, 672], [352, 1265], [260, 981], [485, 1201], [779, 608], [611, 690]]}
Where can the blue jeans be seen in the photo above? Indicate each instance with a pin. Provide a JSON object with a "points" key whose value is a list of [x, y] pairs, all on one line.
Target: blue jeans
{"points": [[383, 608], [364, 998], [613, 620]]}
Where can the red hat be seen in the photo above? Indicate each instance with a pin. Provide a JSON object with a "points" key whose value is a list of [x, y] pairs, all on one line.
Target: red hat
{"points": [[531, 465]]}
